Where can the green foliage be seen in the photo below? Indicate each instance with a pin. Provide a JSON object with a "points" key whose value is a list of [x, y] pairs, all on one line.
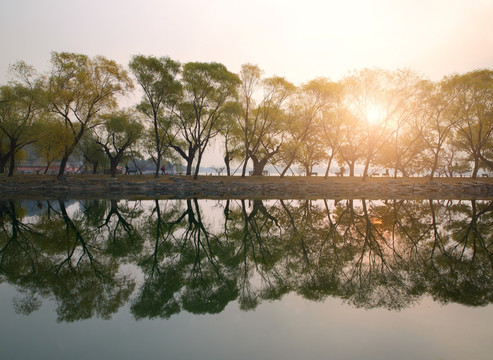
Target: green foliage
{"points": [[118, 133], [52, 139], [80, 88], [20, 104], [158, 80], [209, 89], [373, 117]]}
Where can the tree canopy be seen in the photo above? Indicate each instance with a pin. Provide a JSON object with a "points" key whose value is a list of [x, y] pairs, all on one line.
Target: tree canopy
{"points": [[372, 119]]}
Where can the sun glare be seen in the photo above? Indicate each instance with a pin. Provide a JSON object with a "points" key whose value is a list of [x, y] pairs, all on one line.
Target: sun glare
{"points": [[375, 114]]}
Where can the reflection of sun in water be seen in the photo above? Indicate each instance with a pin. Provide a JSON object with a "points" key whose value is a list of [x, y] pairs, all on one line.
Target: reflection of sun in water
{"points": [[375, 114], [376, 221]]}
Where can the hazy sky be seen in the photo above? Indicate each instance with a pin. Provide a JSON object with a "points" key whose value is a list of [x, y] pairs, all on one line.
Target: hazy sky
{"points": [[300, 40]]}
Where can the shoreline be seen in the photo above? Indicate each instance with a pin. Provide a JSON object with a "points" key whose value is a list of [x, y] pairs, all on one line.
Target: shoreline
{"points": [[223, 187]]}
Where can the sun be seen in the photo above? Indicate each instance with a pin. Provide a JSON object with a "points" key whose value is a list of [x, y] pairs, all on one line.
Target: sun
{"points": [[375, 113]]}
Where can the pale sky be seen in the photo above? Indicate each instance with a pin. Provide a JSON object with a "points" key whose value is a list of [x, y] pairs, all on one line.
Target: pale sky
{"points": [[300, 40]]}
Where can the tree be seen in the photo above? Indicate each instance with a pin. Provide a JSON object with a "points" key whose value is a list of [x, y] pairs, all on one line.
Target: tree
{"points": [[453, 160], [333, 119], [374, 101], [260, 121], [435, 118], [4, 152], [158, 79], [405, 144], [208, 87], [52, 139], [304, 122], [250, 76], [349, 150], [474, 108], [79, 89], [228, 131], [19, 107], [93, 154], [120, 130]]}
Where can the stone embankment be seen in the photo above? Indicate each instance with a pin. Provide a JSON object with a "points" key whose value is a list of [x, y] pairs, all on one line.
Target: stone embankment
{"points": [[234, 187]]}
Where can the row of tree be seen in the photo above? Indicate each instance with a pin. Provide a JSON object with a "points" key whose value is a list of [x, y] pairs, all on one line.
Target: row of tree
{"points": [[374, 118]]}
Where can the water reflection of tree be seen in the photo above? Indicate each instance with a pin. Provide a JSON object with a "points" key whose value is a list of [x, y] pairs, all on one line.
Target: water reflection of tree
{"points": [[343, 253], [59, 257], [462, 270], [163, 279], [316, 251], [18, 254], [117, 224], [187, 268], [369, 253], [258, 248]]}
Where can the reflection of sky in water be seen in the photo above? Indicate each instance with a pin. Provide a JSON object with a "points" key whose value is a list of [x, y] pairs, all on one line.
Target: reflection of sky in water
{"points": [[292, 327]]}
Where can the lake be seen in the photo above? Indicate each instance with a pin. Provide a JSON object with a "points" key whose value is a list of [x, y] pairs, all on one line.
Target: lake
{"points": [[246, 279]]}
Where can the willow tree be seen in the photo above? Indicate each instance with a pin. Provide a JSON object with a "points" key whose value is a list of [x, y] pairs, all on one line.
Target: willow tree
{"points": [[229, 134], [119, 132], [435, 118], [78, 89], [308, 113], [19, 109], [208, 89], [158, 80], [473, 108], [262, 115], [332, 118], [373, 97], [50, 142], [349, 149]]}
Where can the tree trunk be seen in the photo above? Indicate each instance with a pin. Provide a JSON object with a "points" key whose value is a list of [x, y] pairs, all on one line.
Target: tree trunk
{"points": [[158, 165], [226, 162], [245, 163], [11, 166], [3, 162], [259, 165], [12, 159], [435, 166], [69, 150], [157, 141], [403, 171], [476, 167], [197, 167], [189, 167], [189, 159], [287, 167], [113, 165], [95, 167], [63, 163], [328, 167], [351, 169], [48, 163], [365, 171]]}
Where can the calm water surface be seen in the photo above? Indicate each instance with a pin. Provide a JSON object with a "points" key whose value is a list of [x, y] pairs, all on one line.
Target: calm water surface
{"points": [[239, 279]]}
